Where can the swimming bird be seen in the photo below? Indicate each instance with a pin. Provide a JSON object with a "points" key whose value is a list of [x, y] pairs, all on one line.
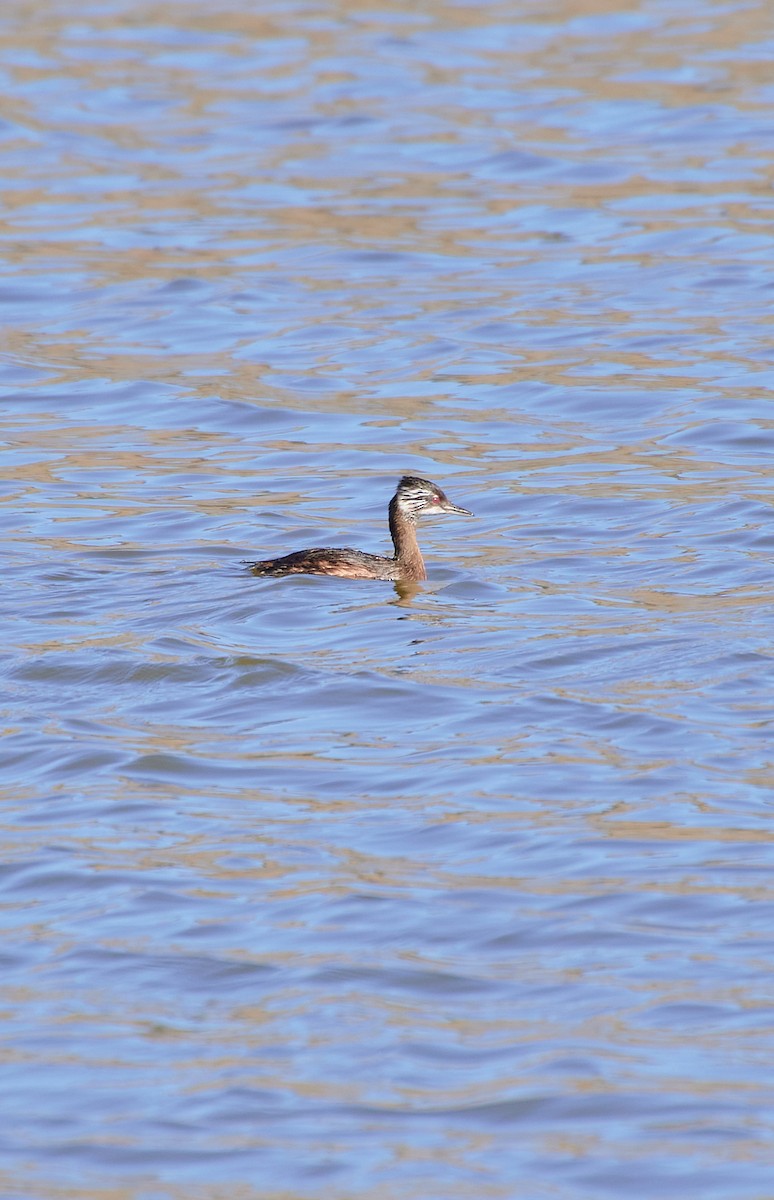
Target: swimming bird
{"points": [[414, 498]]}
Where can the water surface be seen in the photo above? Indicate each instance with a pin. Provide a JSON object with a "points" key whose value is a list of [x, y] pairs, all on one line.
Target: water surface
{"points": [[318, 888]]}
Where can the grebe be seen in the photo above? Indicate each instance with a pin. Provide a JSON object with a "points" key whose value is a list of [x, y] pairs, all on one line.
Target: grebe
{"points": [[414, 498]]}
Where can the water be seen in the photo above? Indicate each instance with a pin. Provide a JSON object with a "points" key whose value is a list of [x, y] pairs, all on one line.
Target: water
{"points": [[317, 888]]}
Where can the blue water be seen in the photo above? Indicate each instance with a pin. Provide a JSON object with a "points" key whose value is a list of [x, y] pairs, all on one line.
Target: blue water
{"points": [[325, 888]]}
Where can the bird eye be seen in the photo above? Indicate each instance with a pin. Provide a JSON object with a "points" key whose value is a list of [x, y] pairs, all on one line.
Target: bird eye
{"points": [[436, 500]]}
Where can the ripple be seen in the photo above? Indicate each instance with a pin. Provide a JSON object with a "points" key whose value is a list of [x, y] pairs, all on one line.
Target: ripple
{"points": [[337, 883]]}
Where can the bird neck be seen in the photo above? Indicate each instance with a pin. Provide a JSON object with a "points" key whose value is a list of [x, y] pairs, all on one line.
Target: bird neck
{"points": [[404, 538]]}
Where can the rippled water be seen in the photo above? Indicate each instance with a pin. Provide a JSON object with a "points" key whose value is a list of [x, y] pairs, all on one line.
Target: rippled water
{"points": [[317, 888]]}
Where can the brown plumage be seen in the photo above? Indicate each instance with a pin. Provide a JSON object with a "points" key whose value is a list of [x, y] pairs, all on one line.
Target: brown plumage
{"points": [[414, 498]]}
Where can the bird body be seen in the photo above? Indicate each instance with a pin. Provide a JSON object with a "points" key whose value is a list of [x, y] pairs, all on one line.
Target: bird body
{"points": [[414, 498]]}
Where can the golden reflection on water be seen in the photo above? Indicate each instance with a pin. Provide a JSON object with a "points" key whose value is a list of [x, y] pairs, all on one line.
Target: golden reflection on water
{"points": [[629, 66], [445, 889]]}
